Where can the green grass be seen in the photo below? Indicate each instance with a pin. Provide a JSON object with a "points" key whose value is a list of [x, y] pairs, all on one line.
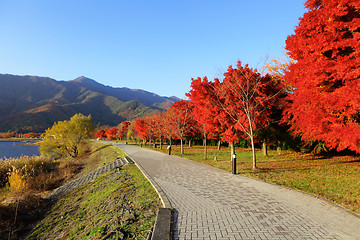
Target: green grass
{"points": [[336, 178], [100, 155], [117, 204], [120, 204]]}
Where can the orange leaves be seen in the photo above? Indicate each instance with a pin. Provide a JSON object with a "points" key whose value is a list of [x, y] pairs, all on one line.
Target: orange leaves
{"points": [[326, 98], [7, 135], [100, 133], [238, 104], [112, 133], [31, 135], [141, 129]]}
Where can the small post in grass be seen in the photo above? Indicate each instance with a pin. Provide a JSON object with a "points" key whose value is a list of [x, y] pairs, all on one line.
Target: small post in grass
{"points": [[169, 149], [234, 163]]}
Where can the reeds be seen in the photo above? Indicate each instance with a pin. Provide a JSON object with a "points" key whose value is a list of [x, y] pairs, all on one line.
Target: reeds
{"points": [[20, 174]]}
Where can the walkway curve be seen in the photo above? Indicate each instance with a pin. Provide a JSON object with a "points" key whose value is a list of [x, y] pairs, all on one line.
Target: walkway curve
{"points": [[212, 204]]}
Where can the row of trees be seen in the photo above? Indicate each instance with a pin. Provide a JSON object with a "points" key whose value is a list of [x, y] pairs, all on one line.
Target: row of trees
{"points": [[25, 135], [316, 93], [176, 123], [119, 132], [234, 108], [8, 135]]}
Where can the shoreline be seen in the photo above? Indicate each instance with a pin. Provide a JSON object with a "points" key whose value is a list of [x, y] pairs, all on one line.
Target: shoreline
{"points": [[32, 140]]}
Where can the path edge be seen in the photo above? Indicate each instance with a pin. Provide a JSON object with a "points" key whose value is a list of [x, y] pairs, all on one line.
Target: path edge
{"points": [[163, 223], [164, 199]]}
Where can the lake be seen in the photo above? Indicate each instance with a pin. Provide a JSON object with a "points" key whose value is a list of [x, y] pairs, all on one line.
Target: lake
{"points": [[17, 149]]}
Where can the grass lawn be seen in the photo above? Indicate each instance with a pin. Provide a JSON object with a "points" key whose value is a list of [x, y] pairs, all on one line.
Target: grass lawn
{"points": [[334, 177]]}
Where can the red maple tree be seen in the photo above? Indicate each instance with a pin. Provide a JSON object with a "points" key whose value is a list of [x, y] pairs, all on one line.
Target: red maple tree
{"points": [[159, 126], [112, 133], [142, 129], [133, 133], [101, 133], [203, 111], [325, 76], [124, 127], [169, 132], [181, 120], [240, 103]]}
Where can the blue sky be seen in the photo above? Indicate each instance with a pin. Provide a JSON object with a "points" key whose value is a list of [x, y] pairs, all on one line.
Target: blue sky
{"points": [[157, 46]]}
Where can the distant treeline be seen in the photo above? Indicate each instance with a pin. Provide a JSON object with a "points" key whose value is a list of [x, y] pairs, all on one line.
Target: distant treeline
{"points": [[16, 135]]}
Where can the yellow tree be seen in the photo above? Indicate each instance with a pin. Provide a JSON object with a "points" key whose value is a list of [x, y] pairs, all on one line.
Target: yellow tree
{"points": [[67, 138], [277, 69]]}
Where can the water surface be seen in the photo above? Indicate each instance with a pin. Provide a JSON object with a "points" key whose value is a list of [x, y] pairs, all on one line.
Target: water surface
{"points": [[18, 149]]}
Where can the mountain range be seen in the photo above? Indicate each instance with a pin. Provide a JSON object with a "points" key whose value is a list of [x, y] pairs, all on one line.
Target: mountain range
{"points": [[32, 104]]}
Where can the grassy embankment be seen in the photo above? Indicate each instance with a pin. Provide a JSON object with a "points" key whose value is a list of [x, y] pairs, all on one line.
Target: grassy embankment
{"points": [[335, 177], [120, 203]]}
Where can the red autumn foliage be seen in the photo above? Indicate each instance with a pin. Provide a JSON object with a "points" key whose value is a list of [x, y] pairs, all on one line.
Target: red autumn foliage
{"points": [[169, 129], [8, 135], [124, 129], [132, 129], [181, 120], [159, 121], [203, 110], [31, 135], [112, 133], [142, 130], [100, 133], [325, 76], [239, 104]]}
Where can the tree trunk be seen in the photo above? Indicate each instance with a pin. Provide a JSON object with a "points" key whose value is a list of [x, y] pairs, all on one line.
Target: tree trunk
{"points": [[253, 152], [189, 143], [160, 143], [219, 145], [182, 146], [205, 149], [264, 146]]}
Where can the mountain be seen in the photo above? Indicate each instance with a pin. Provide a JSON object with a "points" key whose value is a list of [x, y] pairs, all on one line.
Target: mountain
{"points": [[32, 104]]}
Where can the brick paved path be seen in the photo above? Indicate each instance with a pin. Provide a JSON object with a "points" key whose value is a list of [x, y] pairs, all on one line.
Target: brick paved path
{"points": [[212, 204]]}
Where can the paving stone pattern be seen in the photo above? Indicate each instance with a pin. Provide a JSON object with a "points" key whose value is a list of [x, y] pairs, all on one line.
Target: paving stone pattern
{"points": [[212, 204], [74, 184]]}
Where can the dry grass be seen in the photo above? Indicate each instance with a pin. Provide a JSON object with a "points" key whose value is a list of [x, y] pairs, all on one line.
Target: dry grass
{"points": [[25, 182], [32, 172]]}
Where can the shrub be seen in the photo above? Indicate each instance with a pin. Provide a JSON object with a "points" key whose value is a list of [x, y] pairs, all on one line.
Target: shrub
{"points": [[27, 167], [17, 181]]}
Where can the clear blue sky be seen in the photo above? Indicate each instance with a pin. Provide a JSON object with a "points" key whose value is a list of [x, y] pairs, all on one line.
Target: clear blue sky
{"points": [[154, 45]]}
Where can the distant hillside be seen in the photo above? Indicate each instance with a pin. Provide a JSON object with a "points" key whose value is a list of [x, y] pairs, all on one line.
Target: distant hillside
{"points": [[29, 103]]}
